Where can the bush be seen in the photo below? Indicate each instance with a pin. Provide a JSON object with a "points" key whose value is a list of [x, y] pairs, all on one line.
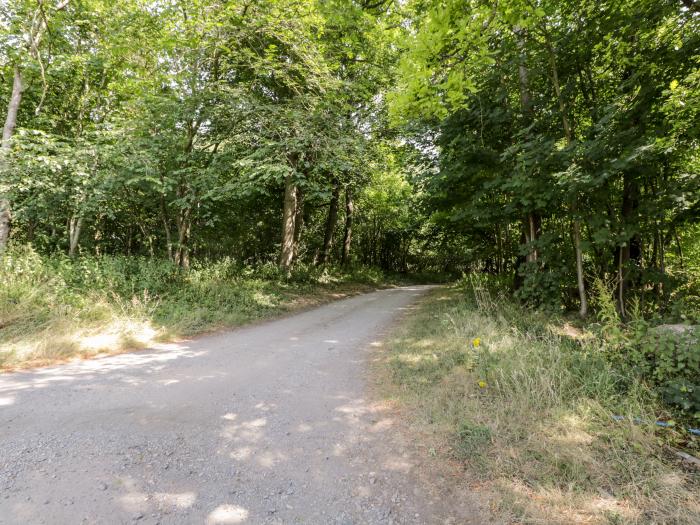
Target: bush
{"points": [[667, 357]]}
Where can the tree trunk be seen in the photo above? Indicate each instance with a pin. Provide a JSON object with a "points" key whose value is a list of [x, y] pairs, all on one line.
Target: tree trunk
{"points": [[583, 310], [621, 280], [5, 219], [331, 221], [531, 221], [533, 228], [129, 239], [499, 251], [520, 260], [347, 237], [33, 38], [12, 109], [662, 260], [581, 283], [7, 132], [298, 222], [75, 225], [148, 238], [182, 253], [97, 237], [630, 250], [288, 223], [523, 74], [557, 92]]}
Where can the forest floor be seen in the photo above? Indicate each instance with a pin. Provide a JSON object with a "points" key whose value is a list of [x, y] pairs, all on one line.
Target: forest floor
{"points": [[278, 422], [524, 402]]}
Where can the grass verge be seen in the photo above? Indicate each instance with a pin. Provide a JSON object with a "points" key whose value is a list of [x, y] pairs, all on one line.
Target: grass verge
{"points": [[53, 308], [526, 401]]}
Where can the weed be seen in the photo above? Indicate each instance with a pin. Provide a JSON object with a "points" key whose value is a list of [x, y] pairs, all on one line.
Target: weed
{"points": [[530, 407], [472, 440], [53, 307]]}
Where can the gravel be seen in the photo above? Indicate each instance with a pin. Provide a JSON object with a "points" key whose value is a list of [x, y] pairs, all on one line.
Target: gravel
{"points": [[267, 424]]}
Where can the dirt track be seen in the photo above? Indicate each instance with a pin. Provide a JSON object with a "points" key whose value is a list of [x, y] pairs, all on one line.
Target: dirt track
{"points": [[266, 424]]}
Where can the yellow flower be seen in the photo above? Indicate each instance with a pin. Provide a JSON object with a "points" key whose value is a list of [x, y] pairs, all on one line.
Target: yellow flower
{"points": [[476, 342], [482, 384]]}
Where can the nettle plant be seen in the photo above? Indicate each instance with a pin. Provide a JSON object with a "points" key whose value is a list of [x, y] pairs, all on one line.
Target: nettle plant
{"points": [[668, 356], [671, 359]]}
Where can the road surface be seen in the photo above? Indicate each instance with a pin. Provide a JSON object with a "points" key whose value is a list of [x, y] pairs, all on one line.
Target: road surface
{"points": [[266, 424]]}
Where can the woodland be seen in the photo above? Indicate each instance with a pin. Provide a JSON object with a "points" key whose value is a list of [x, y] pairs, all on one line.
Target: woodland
{"points": [[174, 166], [552, 145], [551, 142]]}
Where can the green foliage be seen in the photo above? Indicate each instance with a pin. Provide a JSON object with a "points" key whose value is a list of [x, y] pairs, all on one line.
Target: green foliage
{"points": [[542, 289], [536, 118], [666, 356], [471, 440], [172, 128]]}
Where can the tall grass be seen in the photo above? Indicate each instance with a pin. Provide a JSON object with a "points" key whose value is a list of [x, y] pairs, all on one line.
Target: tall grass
{"points": [[53, 307], [528, 408]]}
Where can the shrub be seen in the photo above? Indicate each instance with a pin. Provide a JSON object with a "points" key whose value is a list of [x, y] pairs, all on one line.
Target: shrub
{"points": [[669, 357], [665, 356]]}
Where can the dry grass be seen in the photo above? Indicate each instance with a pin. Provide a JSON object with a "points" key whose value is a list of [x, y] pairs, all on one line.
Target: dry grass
{"points": [[529, 413], [53, 309], [111, 330]]}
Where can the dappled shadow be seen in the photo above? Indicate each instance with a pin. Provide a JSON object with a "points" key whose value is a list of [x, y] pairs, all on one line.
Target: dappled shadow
{"points": [[344, 454], [267, 424], [85, 371]]}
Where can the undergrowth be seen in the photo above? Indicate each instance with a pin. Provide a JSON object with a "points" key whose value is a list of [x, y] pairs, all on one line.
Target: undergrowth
{"points": [[53, 307], [527, 402]]}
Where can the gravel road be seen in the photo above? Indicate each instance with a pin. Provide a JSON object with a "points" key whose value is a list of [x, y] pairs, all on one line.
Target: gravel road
{"points": [[266, 424]]}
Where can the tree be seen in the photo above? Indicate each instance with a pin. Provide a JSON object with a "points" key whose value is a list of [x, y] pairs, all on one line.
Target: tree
{"points": [[27, 25], [551, 110]]}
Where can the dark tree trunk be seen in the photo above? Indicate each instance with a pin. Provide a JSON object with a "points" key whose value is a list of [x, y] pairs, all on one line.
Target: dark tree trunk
{"points": [[31, 227], [288, 223], [531, 221], [331, 222], [184, 225], [520, 260], [630, 252]]}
